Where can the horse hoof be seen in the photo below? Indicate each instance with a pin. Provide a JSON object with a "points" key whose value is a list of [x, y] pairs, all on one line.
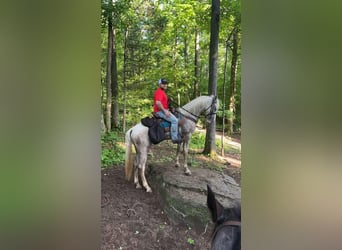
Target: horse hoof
{"points": [[177, 165], [188, 173], [148, 190], [138, 186]]}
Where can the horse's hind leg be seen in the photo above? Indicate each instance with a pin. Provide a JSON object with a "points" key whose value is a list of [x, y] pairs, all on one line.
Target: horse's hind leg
{"points": [[142, 165], [136, 177]]}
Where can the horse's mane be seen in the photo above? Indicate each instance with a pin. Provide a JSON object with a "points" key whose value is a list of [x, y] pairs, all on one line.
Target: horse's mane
{"points": [[196, 105]]}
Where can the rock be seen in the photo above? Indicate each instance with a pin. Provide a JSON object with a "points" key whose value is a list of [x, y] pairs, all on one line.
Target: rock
{"points": [[185, 197]]}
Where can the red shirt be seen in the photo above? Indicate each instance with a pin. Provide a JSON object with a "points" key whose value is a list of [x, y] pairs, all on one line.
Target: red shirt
{"points": [[161, 96]]}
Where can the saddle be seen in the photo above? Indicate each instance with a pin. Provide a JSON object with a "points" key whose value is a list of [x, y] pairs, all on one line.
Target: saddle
{"points": [[159, 129], [156, 128]]}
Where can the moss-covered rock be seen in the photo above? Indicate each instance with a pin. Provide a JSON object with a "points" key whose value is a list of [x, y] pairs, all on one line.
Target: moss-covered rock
{"points": [[185, 197]]}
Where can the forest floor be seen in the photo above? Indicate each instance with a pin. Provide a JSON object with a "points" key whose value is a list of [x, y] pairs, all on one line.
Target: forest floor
{"points": [[133, 219]]}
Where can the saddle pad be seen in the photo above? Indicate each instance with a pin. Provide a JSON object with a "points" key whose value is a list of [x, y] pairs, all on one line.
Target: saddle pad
{"points": [[148, 121]]}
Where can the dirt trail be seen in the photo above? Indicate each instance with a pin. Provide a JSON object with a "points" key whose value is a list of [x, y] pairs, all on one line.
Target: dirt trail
{"points": [[133, 219]]}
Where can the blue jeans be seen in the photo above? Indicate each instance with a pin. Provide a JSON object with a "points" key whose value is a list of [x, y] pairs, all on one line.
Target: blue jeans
{"points": [[174, 124]]}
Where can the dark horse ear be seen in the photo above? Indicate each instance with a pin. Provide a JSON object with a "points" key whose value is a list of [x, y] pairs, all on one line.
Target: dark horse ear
{"points": [[216, 209]]}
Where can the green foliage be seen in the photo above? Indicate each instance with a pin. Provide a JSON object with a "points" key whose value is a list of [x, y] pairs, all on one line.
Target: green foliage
{"points": [[160, 43], [111, 151], [197, 140], [191, 241], [227, 114], [193, 162]]}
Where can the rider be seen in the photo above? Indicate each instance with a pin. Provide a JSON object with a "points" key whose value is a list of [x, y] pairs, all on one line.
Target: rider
{"points": [[161, 108]]}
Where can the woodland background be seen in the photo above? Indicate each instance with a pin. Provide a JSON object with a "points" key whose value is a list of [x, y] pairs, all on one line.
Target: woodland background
{"points": [[145, 40]]}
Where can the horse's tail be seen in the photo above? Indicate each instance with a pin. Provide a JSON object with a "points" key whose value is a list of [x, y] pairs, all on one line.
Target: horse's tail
{"points": [[129, 155]]}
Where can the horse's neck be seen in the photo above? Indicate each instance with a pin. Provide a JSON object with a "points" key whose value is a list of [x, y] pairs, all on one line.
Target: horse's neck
{"points": [[196, 106]]}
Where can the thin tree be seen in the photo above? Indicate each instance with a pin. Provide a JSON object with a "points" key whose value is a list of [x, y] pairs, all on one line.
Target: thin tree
{"points": [[224, 91], [108, 77], [231, 100], [103, 125], [210, 145], [115, 85], [197, 64], [125, 78], [224, 97]]}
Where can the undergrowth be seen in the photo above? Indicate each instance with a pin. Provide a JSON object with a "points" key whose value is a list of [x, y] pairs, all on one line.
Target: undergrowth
{"points": [[112, 152], [197, 142]]}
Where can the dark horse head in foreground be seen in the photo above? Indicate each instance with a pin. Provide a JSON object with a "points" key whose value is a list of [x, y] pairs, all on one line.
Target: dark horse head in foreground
{"points": [[227, 232]]}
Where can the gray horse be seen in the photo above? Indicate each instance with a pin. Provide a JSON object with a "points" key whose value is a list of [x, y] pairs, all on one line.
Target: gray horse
{"points": [[138, 136]]}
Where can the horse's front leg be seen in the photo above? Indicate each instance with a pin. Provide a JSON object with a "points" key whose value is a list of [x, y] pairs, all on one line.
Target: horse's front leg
{"points": [[177, 156], [144, 181], [185, 153]]}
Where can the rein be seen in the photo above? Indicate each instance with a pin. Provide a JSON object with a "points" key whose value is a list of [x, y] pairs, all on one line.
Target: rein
{"points": [[211, 107], [189, 117]]}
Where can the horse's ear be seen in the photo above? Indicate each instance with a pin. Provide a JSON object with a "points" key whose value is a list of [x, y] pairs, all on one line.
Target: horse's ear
{"points": [[216, 209]]}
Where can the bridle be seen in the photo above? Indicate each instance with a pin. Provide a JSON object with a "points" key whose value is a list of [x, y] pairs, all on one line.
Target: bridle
{"points": [[212, 108], [228, 223], [208, 115]]}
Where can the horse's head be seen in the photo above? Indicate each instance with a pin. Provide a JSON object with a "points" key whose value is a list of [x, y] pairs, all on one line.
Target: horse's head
{"points": [[211, 111], [227, 234]]}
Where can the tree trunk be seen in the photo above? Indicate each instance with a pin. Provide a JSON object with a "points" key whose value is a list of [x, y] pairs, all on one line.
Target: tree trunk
{"points": [[197, 64], [124, 79], [231, 102], [224, 92], [174, 57], [115, 85], [185, 51], [103, 125], [210, 145], [224, 96], [108, 77]]}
